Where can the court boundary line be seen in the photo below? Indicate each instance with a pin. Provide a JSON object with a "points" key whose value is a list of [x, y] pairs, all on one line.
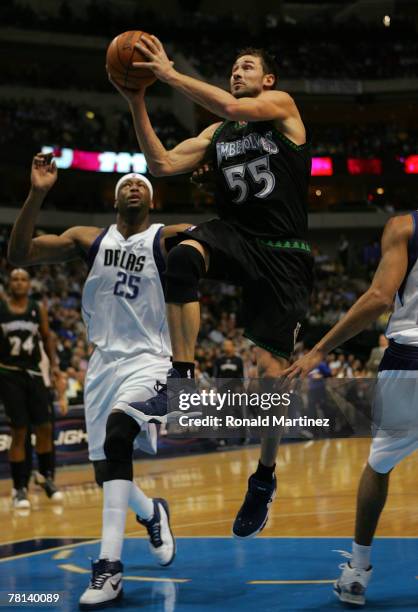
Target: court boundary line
{"points": [[97, 540]]}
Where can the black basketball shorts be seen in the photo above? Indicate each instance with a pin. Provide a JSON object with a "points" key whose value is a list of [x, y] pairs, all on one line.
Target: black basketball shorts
{"points": [[25, 398], [276, 277]]}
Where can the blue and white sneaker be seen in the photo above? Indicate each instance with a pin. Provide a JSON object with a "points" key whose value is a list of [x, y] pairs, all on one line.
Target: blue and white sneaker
{"points": [[105, 588], [253, 514], [162, 544], [351, 586], [156, 409]]}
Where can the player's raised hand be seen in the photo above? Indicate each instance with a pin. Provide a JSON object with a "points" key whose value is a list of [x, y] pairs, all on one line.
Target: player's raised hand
{"points": [[301, 367], [131, 95], [157, 59], [44, 172]]}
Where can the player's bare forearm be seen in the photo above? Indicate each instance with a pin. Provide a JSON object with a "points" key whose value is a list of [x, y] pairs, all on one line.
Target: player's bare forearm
{"points": [[21, 236], [362, 314], [150, 145], [213, 98]]}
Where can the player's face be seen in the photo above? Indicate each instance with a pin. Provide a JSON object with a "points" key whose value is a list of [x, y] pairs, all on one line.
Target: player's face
{"points": [[248, 78], [19, 283], [133, 195]]}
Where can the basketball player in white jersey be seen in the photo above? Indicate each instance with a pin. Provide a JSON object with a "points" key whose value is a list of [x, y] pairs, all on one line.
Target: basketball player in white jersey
{"points": [[124, 311], [396, 394]]}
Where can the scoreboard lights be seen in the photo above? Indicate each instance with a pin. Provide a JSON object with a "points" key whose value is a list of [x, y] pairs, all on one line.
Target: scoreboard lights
{"points": [[123, 162], [94, 161]]}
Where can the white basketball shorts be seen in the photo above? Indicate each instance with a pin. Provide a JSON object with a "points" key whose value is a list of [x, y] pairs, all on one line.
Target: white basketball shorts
{"points": [[114, 383], [395, 411]]}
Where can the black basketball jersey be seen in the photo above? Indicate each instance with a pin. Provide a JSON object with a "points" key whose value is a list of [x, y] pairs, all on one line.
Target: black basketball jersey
{"points": [[261, 179], [19, 337]]}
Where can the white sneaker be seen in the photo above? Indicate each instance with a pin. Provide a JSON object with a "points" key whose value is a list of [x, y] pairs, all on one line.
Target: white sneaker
{"points": [[20, 498], [162, 544], [352, 584], [105, 586]]}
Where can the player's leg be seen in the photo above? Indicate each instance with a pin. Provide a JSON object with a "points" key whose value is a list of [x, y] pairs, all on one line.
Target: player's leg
{"points": [[17, 461], [253, 514], [41, 418], [186, 265], [106, 583], [152, 513], [13, 393], [385, 453]]}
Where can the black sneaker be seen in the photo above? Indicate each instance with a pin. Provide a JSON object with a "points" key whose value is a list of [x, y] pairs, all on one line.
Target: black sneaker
{"points": [[105, 587], [253, 514], [162, 544], [20, 498], [50, 488]]}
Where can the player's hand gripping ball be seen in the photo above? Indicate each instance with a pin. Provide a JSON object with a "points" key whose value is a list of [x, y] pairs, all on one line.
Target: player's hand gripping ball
{"points": [[119, 57]]}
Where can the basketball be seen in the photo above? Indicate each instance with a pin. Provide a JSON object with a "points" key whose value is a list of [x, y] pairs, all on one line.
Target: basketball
{"points": [[119, 57]]}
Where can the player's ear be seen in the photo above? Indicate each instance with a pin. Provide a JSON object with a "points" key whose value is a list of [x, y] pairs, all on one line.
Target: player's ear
{"points": [[269, 80], [115, 205], [151, 205]]}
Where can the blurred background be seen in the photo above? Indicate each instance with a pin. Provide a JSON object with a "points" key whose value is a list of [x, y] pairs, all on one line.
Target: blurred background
{"points": [[352, 68]]}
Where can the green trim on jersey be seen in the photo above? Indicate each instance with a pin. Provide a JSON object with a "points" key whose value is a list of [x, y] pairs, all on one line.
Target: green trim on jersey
{"points": [[267, 347], [287, 243], [289, 142], [217, 132]]}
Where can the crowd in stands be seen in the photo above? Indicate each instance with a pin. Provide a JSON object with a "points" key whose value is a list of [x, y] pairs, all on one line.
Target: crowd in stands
{"points": [[315, 48], [381, 140], [33, 123], [59, 287]]}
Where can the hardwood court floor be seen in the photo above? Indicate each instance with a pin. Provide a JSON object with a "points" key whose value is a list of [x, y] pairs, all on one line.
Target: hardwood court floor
{"points": [[316, 495]]}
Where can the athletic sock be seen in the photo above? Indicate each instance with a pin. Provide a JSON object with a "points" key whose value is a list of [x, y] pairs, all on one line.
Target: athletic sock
{"points": [[18, 472], [361, 556], [184, 368], [46, 464], [265, 473], [140, 503], [115, 504]]}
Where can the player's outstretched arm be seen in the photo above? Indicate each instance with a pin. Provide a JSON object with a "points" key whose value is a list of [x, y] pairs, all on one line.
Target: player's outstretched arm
{"points": [[162, 162], [375, 301], [23, 250], [269, 105]]}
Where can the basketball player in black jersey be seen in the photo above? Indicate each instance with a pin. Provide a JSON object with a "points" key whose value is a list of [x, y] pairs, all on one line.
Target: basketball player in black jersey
{"points": [[261, 162], [23, 323]]}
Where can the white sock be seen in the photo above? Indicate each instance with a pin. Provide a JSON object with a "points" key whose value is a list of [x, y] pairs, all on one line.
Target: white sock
{"points": [[361, 556], [140, 503], [115, 505]]}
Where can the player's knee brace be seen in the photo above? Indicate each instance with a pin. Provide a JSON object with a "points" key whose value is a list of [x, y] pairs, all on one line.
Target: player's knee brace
{"points": [[185, 268], [121, 431]]}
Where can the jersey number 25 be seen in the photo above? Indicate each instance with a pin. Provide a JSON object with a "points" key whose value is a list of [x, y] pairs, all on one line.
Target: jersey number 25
{"points": [[127, 286]]}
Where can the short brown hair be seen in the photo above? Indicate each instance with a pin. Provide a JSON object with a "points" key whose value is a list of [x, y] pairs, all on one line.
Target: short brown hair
{"points": [[268, 61]]}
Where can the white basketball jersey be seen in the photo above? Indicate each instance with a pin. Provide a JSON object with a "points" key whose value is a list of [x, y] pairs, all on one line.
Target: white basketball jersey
{"points": [[403, 324], [123, 301]]}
